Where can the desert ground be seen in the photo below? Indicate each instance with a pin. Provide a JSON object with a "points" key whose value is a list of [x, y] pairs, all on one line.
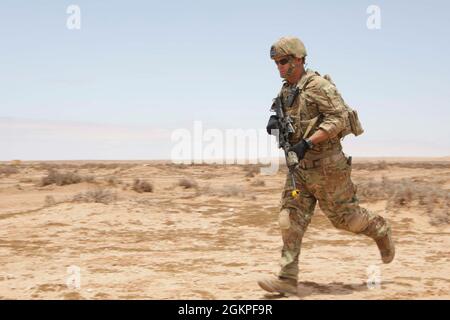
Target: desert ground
{"points": [[157, 230]]}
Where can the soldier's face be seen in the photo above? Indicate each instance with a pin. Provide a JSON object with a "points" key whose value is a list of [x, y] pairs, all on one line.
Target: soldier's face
{"points": [[283, 65]]}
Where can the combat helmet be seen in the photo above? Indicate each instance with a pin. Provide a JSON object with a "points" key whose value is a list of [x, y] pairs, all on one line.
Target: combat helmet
{"points": [[288, 46]]}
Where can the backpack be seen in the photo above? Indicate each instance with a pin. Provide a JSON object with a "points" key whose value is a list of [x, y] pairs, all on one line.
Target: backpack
{"points": [[352, 123]]}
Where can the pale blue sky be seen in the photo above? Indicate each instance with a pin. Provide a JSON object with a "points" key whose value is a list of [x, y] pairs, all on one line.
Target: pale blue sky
{"points": [[144, 68]]}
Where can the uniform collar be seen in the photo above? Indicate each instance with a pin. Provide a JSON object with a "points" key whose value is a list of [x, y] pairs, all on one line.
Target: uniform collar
{"points": [[305, 77], [300, 84]]}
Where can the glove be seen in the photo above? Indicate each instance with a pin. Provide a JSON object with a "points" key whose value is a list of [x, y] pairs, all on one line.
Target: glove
{"points": [[300, 149], [272, 124]]}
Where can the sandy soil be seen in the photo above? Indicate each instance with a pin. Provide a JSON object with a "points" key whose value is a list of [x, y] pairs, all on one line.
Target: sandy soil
{"points": [[212, 241]]}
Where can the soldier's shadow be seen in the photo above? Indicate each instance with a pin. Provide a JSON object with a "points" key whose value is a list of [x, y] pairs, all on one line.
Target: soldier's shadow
{"points": [[310, 288]]}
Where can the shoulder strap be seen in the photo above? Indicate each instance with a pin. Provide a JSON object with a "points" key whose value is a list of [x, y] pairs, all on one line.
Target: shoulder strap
{"points": [[301, 85], [306, 79]]}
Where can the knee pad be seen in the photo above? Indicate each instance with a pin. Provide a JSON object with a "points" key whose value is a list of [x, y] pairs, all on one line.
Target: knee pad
{"points": [[284, 220], [357, 222]]}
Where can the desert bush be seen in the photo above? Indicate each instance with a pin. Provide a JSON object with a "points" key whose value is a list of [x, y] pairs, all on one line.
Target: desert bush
{"points": [[142, 186], [88, 178], [89, 165], [223, 191], [371, 190], [177, 165], [100, 165], [423, 165], [8, 169], [93, 165], [49, 201], [406, 193], [382, 165], [371, 166], [208, 176], [258, 183], [104, 196], [112, 181], [187, 183], [61, 179], [251, 170], [232, 191], [53, 166]]}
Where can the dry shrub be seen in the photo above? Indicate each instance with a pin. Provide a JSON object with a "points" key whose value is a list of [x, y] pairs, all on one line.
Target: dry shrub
{"points": [[104, 196], [208, 176], [423, 165], [371, 166], [112, 181], [177, 165], [258, 183], [251, 170], [61, 179], [53, 166], [89, 178], [89, 165], [49, 201], [382, 165], [93, 165], [224, 191], [125, 186], [187, 183], [406, 193], [232, 191], [371, 190], [142, 186], [8, 169]]}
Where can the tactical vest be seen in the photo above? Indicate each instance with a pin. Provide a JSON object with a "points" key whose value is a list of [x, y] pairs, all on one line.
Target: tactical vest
{"points": [[352, 124], [307, 118]]}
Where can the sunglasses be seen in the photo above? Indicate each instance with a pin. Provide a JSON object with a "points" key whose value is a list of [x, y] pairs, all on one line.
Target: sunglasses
{"points": [[282, 61]]}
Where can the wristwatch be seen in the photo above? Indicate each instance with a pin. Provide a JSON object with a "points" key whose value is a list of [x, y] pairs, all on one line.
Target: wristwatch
{"points": [[309, 143]]}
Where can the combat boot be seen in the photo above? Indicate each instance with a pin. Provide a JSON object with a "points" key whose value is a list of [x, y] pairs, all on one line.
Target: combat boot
{"points": [[280, 285], [386, 246]]}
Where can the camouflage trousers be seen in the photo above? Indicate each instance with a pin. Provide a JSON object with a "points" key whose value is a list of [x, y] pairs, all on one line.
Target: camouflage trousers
{"points": [[331, 186]]}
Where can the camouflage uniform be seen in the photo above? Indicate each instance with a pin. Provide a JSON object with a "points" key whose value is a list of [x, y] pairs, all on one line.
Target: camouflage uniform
{"points": [[323, 175]]}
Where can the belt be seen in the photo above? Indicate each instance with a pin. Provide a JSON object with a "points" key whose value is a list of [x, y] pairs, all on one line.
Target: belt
{"points": [[310, 164]]}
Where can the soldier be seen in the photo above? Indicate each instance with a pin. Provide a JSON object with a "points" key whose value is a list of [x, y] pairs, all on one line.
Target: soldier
{"points": [[319, 117]]}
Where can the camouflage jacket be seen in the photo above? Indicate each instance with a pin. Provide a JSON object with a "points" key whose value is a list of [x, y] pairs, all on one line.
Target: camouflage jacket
{"points": [[318, 106]]}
